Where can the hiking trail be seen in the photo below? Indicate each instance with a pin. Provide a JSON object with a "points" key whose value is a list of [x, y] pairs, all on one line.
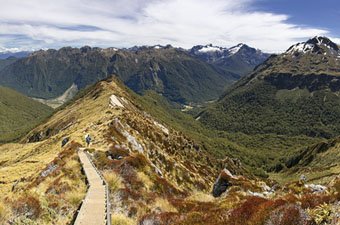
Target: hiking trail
{"points": [[94, 209]]}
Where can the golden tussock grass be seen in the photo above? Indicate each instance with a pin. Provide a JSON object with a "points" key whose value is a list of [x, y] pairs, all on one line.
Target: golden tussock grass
{"points": [[113, 180], [163, 205], [120, 219], [74, 197], [200, 197], [148, 184], [3, 212]]}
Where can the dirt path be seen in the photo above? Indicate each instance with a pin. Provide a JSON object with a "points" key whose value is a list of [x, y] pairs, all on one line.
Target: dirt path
{"points": [[93, 209]]}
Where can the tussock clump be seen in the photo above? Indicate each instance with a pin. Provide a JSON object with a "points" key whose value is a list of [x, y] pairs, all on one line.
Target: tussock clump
{"points": [[321, 214], [314, 200], [137, 161], [147, 182], [113, 180], [163, 187], [200, 197], [58, 187], [159, 218], [120, 219], [102, 161], [28, 206], [289, 215], [74, 197], [163, 205], [243, 213], [117, 151]]}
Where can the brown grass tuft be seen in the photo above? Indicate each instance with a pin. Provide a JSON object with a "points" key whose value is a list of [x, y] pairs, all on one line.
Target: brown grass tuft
{"points": [[28, 206]]}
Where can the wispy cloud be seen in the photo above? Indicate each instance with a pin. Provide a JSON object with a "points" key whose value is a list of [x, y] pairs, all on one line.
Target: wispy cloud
{"points": [[124, 23]]}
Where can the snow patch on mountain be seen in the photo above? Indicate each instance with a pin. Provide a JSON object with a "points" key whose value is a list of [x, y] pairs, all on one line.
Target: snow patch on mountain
{"points": [[210, 48], [300, 47], [233, 50]]}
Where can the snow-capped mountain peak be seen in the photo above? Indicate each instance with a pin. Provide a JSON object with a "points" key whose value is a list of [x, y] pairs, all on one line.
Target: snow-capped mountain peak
{"points": [[233, 50], [317, 45]]}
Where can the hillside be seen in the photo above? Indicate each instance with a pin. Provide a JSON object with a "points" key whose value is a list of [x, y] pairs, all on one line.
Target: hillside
{"points": [[318, 162], [294, 93], [238, 60], [156, 173], [145, 157], [169, 71], [19, 114]]}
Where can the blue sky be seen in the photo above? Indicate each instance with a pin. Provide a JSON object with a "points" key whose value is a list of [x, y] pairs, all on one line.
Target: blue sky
{"points": [[323, 14], [270, 25]]}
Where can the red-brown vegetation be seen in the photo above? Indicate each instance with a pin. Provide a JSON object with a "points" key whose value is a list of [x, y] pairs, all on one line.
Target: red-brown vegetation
{"points": [[28, 206]]}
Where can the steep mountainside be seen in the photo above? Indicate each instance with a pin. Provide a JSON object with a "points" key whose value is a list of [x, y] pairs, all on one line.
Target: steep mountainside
{"points": [[294, 93], [169, 71], [238, 60], [156, 173], [317, 162], [19, 114], [6, 62]]}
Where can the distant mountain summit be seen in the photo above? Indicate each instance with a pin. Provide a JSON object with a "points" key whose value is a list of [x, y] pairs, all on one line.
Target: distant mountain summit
{"points": [[316, 45], [8, 54], [293, 93], [239, 60], [315, 56]]}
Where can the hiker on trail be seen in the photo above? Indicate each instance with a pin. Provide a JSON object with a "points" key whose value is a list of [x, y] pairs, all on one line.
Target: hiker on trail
{"points": [[65, 141], [87, 139]]}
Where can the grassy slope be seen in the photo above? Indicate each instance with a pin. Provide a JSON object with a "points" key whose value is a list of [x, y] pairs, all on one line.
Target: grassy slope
{"points": [[18, 114]]}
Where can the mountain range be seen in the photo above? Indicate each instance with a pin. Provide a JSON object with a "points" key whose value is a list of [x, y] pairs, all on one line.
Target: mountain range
{"points": [[293, 93], [180, 75]]}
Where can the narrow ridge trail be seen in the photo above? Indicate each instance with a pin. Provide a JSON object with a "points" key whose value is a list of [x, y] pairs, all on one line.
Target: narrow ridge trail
{"points": [[93, 210]]}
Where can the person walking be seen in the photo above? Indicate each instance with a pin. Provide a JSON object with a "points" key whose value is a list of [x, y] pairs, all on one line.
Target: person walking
{"points": [[88, 139]]}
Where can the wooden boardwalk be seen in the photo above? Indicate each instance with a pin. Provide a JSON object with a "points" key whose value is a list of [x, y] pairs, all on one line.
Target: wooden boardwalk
{"points": [[93, 210]]}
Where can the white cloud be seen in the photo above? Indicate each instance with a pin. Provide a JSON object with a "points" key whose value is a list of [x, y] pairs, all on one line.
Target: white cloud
{"points": [[124, 23]]}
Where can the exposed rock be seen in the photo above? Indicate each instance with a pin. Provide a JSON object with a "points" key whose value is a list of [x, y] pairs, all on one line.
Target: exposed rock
{"points": [[316, 188], [50, 169], [115, 102], [35, 138], [222, 183]]}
